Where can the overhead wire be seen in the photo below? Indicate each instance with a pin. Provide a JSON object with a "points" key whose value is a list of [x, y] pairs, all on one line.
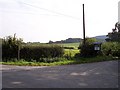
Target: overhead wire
{"points": [[58, 13], [10, 11]]}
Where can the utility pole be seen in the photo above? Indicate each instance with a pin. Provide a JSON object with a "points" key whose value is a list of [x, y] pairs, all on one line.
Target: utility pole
{"points": [[83, 26]]}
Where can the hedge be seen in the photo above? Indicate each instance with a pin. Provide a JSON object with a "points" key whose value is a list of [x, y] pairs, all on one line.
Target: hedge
{"points": [[33, 52]]}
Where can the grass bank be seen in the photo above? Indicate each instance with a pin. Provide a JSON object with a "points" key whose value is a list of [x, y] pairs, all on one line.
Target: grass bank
{"points": [[64, 62]]}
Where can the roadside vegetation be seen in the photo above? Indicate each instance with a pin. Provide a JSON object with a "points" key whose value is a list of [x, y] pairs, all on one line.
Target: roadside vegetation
{"points": [[63, 61], [16, 52]]}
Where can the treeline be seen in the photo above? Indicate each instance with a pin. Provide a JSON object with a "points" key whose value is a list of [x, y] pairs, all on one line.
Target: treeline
{"points": [[12, 47], [69, 40]]}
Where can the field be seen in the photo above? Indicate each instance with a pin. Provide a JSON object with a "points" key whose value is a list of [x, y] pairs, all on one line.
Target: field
{"points": [[71, 52], [75, 45]]}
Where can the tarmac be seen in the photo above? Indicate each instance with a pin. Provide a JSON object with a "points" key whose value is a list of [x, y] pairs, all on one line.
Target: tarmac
{"points": [[90, 75]]}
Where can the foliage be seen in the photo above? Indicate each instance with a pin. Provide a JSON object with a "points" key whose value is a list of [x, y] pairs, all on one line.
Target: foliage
{"points": [[64, 61], [90, 41], [70, 53], [115, 34], [87, 49], [111, 48], [40, 52], [10, 47]]}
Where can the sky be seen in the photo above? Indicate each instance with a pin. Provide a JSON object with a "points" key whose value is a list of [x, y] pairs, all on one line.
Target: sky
{"points": [[44, 20]]}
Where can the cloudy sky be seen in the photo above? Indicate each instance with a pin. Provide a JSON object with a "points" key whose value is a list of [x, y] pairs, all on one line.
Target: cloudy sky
{"points": [[44, 20]]}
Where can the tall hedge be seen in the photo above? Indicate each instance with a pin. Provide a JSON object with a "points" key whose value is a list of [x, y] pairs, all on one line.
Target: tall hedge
{"points": [[32, 52], [39, 52], [12, 47]]}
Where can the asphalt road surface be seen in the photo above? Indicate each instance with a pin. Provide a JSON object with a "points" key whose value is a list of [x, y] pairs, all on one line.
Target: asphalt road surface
{"points": [[90, 75]]}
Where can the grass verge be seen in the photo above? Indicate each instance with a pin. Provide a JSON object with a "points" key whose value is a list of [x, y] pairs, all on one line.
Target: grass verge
{"points": [[64, 62]]}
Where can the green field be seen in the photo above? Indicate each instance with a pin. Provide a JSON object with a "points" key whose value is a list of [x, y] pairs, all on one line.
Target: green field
{"points": [[71, 52], [62, 44], [74, 45]]}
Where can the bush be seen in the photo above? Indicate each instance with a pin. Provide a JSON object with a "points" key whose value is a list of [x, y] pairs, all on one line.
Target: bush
{"points": [[111, 48], [87, 50], [10, 47]]}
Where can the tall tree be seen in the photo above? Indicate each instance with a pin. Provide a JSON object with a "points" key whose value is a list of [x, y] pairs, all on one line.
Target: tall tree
{"points": [[115, 34]]}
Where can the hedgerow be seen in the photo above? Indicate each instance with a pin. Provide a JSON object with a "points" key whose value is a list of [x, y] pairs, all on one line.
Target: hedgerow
{"points": [[12, 48], [38, 53]]}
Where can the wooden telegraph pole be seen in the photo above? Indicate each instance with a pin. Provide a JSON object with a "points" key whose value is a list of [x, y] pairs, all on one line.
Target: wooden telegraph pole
{"points": [[83, 26]]}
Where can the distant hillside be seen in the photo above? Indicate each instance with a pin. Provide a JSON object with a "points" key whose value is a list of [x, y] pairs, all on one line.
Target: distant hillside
{"points": [[69, 40], [101, 38]]}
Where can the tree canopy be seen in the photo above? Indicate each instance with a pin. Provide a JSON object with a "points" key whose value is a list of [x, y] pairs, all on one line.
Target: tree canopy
{"points": [[115, 34]]}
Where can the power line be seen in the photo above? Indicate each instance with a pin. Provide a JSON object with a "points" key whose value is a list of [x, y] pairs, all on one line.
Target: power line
{"points": [[58, 13], [29, 13], [25, 12]]}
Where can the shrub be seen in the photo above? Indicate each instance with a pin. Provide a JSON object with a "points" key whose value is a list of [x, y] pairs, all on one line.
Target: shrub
{"points": [[87, 50], [111, 48], [10, 47]]}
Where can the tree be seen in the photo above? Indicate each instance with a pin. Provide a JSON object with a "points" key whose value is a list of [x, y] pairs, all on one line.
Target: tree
{"points": [[115, 34], [11, 47], [50, 42], [87, 49]]}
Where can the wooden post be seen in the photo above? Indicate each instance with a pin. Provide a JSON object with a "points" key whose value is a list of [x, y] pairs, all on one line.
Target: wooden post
{"points": [[83, 26]]}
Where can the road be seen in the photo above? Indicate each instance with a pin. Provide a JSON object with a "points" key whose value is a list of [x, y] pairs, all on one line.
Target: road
{"points": [[90, 75]]}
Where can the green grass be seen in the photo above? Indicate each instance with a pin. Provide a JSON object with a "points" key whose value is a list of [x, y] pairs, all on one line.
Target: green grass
{"points": [[64, 62], [25, 63], [75, 45], [71, 52]]}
